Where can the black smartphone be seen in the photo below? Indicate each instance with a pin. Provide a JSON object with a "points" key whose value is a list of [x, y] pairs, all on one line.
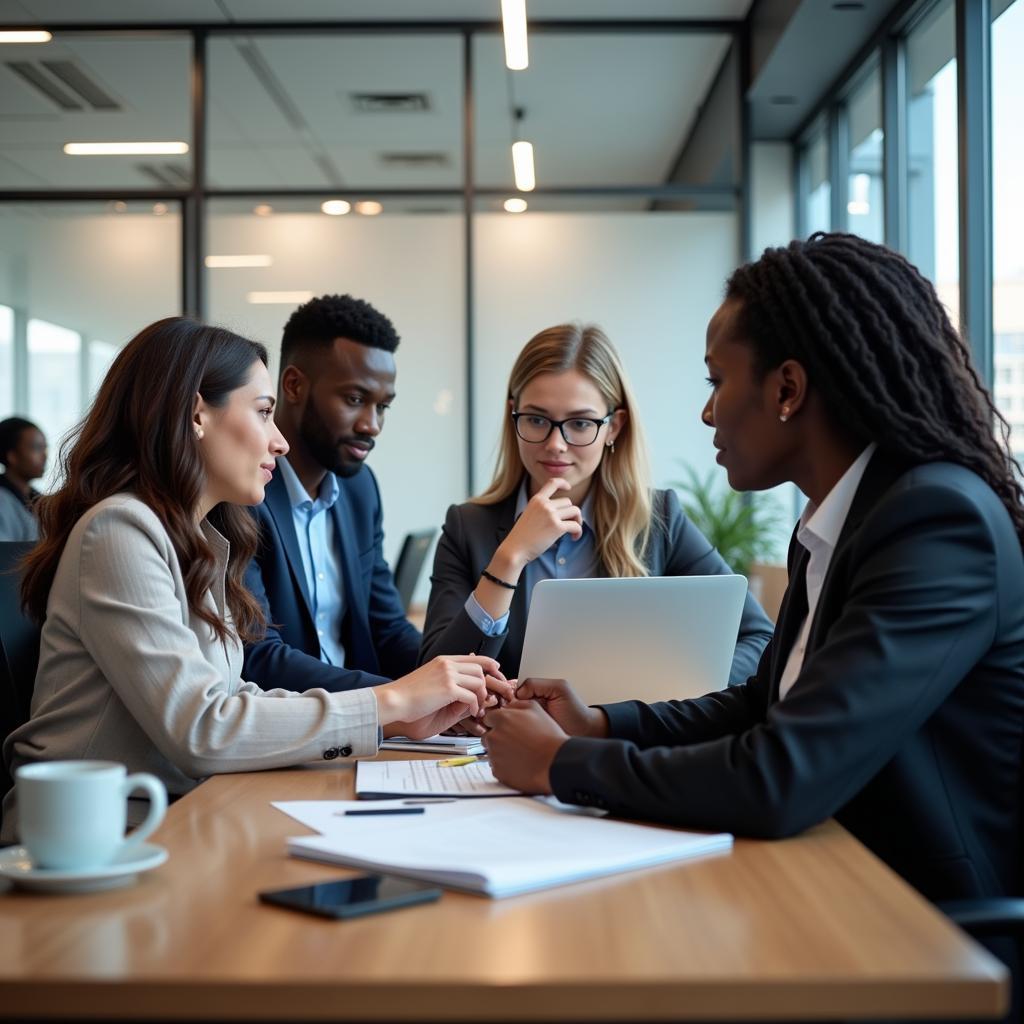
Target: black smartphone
{"points": [[354, 897]]}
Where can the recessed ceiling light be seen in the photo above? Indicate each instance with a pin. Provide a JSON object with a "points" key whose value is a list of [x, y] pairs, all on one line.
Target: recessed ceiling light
{"points": [[278, 298], [119, 206], [513, 21], [369, 207], [263, 210], [240, 260], [26, 36], [159, 209], [522, 166], [515, 205], [125, 148], [336, 207]]}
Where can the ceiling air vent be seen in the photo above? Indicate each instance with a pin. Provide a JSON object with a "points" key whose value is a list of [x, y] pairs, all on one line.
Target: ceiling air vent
{"points": [[64, 84], [390, 102], [165, 175], [415, 159]]}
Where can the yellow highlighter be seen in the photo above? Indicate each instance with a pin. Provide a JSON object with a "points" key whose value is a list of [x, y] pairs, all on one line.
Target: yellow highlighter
{"points": [[455, 762]]}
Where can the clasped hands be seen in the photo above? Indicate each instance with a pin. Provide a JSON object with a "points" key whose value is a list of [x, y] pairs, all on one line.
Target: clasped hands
{"points": [[523, 736]]}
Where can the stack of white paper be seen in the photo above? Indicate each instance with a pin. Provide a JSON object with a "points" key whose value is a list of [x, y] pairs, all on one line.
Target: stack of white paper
{"points": [[494, 847], [436, 744]]}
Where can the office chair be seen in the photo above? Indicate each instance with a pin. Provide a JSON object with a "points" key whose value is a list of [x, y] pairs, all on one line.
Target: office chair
{"points": [[19, 650], [410, 563], [18, 634]]}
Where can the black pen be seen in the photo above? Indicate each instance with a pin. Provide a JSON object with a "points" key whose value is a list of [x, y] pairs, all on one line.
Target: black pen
{"points": [[385, 810]]}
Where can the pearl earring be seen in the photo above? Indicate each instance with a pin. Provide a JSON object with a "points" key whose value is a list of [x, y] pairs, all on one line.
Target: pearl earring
{"points": [[610, 445], [784, 415], [199, 433]]}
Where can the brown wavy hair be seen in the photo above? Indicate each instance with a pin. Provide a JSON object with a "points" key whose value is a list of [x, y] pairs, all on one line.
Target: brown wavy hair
{"points": [[138, 437]]}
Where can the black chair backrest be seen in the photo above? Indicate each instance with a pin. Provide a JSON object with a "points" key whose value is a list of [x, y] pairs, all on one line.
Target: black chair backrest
{"points": [[410, 563], [19, 636], [19, 650]]}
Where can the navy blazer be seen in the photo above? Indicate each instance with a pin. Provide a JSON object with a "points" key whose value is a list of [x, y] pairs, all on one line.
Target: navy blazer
{"points": [[380, 642], [472, 534], [905, 723]]}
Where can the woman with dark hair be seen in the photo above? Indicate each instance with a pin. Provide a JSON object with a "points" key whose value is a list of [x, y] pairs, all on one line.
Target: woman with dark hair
{"points": [[137, 581], [892, 695]]}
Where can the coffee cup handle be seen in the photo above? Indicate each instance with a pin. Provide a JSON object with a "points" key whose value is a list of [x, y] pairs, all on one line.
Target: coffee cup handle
{"points": [[157, 805]]}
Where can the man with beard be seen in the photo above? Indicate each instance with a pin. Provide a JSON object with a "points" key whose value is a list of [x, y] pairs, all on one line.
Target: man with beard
{"points": [[335, 618]]}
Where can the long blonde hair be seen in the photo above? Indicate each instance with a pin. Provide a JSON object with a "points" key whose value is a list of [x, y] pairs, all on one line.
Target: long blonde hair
{"points": [[621, 485]]}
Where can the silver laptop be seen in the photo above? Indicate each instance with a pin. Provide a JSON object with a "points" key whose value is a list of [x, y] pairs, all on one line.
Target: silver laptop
{"points": [[650, 639]]}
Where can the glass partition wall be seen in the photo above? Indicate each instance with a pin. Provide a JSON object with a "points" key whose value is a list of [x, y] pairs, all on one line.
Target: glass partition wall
{"points": [[289, 161]]}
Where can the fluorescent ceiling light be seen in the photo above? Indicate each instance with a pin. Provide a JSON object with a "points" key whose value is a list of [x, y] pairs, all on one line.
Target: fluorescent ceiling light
{"points": [[515, 205], [278, 298], [26, 36], [369, 208], [522, 165], [242, 260], [336, 207], [513, 20], [125, 148]]}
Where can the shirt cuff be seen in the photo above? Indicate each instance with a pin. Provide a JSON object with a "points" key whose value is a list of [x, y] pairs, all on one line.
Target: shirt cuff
{"points": [[483, 621]]}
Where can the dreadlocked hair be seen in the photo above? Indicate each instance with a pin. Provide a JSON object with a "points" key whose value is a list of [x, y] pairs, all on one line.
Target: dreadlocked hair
{"points": [[878, 345]]}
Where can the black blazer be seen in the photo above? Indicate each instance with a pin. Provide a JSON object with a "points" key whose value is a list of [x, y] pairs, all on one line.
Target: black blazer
{"points": [[472, 534], [905, 723], [380, 642]]}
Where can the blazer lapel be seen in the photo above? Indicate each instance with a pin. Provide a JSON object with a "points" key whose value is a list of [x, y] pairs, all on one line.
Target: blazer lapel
{"points": [[792, 614], [359, 648], [276, 500], [505, 514]]}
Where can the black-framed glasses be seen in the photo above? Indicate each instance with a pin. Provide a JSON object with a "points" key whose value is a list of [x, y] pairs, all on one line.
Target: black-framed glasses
{"points": [[578, 431]]}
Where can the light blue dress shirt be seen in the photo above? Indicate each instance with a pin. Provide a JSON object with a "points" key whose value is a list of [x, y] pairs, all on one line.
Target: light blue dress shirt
{"points": [[566, 559], [319, 546]]}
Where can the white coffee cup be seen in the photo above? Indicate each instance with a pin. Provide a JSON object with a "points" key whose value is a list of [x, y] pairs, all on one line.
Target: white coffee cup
{"points": [[72, 815]]}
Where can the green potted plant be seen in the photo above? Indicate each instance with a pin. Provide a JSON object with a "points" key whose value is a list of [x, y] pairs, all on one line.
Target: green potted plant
{"points": [[745, 528]]}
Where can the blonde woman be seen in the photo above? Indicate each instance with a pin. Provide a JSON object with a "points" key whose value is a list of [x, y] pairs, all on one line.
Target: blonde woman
{"points": [[571, 498]]}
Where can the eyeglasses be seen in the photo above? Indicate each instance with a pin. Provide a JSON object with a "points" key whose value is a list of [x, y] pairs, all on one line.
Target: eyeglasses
{"points": [[579, 431]]}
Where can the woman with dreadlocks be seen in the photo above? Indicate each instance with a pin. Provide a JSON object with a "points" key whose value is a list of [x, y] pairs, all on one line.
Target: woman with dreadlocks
{"points": [[892, 696]]}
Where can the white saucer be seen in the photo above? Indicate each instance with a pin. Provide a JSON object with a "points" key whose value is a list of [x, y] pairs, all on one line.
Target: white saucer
{"points": [[16, 865]]}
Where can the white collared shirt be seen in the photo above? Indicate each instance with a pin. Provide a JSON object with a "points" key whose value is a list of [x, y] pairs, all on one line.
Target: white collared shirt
{"points": [[819, 530]]}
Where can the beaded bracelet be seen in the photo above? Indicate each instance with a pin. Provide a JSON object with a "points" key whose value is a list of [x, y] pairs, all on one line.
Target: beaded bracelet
{"points": [[494, 579]]}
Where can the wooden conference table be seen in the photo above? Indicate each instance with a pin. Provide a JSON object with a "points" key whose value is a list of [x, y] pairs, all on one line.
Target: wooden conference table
{"points": [[811, 927]]}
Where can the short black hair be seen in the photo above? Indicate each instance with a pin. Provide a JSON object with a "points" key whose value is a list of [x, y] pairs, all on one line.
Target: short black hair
{"points": [[11, 430], [315, 325]]}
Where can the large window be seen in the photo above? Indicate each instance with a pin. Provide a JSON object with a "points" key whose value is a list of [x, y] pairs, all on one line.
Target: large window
{"points": [[1008, 218], [865, 199], [54, 355], [932, 187], [816, 186], [6, 361], [78, 271]]}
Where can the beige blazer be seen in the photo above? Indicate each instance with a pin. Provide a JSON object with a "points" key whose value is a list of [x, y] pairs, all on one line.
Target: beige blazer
{"points": [[127, 674]]}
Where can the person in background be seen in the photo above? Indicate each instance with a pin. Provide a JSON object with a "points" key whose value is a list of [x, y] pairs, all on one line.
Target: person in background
{"points": [[138, 583], [892, 696], [571, 498], [23, 456], [319, 570]]}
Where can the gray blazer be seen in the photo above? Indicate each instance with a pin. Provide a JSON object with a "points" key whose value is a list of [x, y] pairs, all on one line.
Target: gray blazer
{"points": [[127, 673], [471, 535]]}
